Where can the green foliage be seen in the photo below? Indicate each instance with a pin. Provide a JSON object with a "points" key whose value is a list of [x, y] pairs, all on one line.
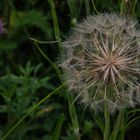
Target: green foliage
{"points": [[19, 93], [29, 19], [27, 80], [6, 46]]}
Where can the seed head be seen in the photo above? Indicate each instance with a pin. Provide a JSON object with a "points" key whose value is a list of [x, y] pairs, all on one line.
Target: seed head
{"points": [[102, 62]]}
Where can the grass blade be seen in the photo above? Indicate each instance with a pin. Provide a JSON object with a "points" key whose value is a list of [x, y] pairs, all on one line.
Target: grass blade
{"points": [[87, 7], [56, 134], [107, 123], [56, 26], [73, 115], [49, 60], [31, 110], [100, 122], [118, 125]]}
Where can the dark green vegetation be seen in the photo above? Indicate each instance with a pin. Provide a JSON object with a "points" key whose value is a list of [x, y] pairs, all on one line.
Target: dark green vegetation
{"points": [[26, 76]]}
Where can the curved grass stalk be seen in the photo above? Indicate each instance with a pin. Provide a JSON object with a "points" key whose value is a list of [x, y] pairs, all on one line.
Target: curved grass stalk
{"points": [[119, 124], [132, 121], [56, 26], [49, 60], [70, 100], [42, 42], [31, 110], [94, 7], [58, 38]]}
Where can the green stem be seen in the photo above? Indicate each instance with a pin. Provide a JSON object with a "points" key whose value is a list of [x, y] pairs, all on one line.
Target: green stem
{"points": [[87, 7], [56, 26], [132, 121], [42, 42], [122, 7], [119, 124], [49, 60], [133, 8], [94, 7], [99, 122], [70, 99], [107, 122], [73, 115], [56, 133], [128, 7], [31, 110]]}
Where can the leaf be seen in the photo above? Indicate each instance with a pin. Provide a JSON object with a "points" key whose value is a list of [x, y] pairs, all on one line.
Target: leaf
{"points": [[88, 125], [100, 123]]}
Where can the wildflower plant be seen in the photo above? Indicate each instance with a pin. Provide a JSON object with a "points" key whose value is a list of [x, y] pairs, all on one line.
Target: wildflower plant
{"points": [[101, 62]]}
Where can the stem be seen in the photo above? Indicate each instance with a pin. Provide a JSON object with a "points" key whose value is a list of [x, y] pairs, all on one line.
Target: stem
{"points": [[133, 8], [49, 60], [70, 99], [128, 7], [56, 26], [87, 7], [31, 110], [73, 116], [94, 7], [118, 127], [107, 122], [122, 7]]}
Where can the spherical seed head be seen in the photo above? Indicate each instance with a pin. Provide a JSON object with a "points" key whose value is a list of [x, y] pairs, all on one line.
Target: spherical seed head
{"points": [[102, 62]]}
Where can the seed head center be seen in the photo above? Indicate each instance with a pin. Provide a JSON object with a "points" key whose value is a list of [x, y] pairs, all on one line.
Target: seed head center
{"points": [[110, 61]]}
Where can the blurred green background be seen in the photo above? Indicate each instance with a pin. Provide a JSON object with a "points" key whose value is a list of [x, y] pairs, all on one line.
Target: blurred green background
{"points": [[26, 76]]}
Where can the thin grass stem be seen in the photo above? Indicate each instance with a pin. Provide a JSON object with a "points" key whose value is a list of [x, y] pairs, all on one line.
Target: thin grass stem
{"points": [[107, 122], [56, 26], [87, 7], [31, 110], [49, 60]]}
